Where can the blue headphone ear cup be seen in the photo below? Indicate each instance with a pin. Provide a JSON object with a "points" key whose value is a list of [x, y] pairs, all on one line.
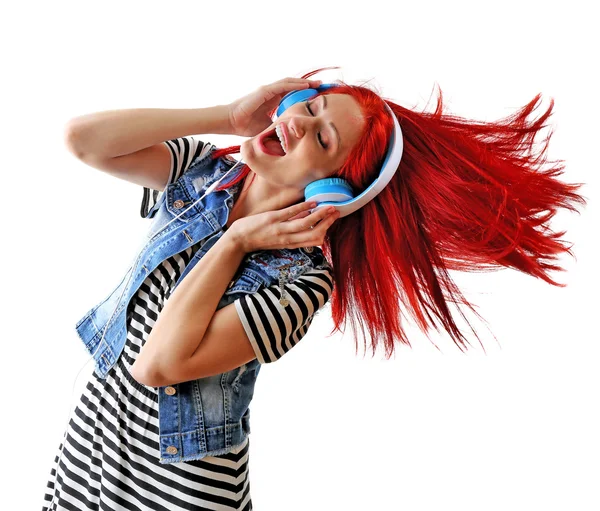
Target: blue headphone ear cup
{"points": [[291, 98], [330, 189]]}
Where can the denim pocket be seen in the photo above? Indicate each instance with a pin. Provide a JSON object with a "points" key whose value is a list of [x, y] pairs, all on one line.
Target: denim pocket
{"points": [[180, 203]]}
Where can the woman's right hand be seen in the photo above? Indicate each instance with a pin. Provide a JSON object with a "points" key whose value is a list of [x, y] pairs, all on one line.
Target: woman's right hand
{"points": [[248, 116]]}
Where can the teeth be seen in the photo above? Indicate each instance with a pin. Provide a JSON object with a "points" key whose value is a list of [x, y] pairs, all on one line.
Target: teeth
{"points": [[281, 139]]}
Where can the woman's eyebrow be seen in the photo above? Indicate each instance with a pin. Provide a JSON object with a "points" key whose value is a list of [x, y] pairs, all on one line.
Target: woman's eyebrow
{"points": [[339, 142]]}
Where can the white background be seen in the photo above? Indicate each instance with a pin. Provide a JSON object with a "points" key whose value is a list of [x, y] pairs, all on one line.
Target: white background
{"points": [[513, 428]]}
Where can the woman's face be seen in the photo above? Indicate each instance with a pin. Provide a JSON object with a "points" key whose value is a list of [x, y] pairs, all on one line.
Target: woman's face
{"points": [[318, 138]]}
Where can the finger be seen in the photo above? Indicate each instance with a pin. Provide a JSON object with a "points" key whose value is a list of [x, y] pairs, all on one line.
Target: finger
{"points": [[306, 81], [327, 221], [291, 211], [315, 219], [285, 86], [317, 216], [300, 215], [292, 79], [311, 237], [330, 219]]}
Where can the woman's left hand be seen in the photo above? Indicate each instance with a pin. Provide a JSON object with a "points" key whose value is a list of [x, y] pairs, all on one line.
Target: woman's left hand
{"points": [[285, 228]]}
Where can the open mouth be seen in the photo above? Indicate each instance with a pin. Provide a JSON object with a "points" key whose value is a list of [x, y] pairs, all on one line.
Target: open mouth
{"points": [[270, 144]]}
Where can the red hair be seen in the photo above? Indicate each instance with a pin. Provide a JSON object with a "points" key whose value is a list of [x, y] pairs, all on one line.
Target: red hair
{"points": [[467, 195]]}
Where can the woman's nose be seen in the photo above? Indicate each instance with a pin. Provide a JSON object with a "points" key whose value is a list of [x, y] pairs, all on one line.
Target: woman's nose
{"points": [[299, 124], [296, 130]]}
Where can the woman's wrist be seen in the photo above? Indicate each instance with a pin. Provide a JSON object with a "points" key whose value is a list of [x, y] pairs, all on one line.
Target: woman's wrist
{"points": [[213, 119], [232, 239]]}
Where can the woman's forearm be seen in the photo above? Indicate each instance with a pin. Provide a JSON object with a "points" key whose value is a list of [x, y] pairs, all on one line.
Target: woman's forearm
{"points": [[114, 133], [185, 317]]}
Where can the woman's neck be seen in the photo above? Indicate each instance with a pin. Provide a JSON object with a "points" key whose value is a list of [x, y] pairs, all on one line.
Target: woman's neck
{"points": [[258, 196]]}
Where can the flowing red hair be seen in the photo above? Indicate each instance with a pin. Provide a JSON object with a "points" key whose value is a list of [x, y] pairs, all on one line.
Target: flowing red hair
{"points": [[467, 195]]}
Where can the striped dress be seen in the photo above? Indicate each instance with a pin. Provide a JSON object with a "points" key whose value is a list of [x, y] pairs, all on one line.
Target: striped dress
{"points": [[110, 455]]}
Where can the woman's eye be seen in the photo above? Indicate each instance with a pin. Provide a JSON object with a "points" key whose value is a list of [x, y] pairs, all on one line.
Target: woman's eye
{"points": [[319, 135]]}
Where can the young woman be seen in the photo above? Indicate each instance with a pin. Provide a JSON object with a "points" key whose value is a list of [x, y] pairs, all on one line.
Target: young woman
{"points": [[163, 423]]}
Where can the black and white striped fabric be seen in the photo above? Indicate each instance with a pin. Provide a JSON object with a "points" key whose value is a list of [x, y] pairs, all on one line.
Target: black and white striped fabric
{"points": [[111, 450], [274, 329]]}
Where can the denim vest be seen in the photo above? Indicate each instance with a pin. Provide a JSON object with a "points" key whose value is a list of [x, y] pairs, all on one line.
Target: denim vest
{"points": [[208, 416]]}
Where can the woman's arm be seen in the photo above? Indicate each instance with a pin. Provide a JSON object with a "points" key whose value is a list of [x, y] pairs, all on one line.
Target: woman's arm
{"points": [[185, 317], [114, 133], [178, 334]]}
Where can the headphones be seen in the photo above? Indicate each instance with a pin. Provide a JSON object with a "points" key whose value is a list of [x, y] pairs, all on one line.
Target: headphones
{"points": [[335, 191], [329, 191]]}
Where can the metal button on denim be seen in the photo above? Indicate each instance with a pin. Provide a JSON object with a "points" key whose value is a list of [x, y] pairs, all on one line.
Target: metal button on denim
{"points": [[178, 204], [172, 449], [170, 391], [308, 249]]}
